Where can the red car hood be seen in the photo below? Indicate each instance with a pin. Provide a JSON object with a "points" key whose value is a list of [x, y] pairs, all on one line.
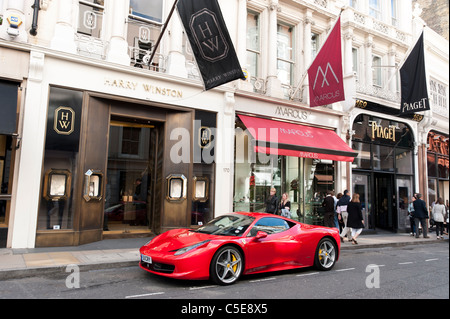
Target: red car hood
{"points": [[176, 239]]}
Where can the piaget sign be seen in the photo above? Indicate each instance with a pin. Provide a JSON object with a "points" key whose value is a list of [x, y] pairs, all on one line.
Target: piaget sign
{"points": [[387, 133], [148, 88]]}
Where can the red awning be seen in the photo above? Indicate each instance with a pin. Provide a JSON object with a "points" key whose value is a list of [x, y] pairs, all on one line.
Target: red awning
{"points": [[275, 137]]}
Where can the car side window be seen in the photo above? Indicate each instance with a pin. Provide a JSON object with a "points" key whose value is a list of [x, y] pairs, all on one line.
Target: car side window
{"points": [[269, 225]]}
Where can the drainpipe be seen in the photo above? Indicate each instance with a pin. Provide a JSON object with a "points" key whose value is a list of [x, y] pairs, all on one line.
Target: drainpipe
{"points": [[36, 7]]}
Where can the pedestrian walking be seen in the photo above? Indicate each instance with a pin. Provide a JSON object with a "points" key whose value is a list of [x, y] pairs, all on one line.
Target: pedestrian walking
{"points": [[355, 218], [341, 209], [421, 215], [412, 222], [328, 204], [438, 213], [337, 221]]}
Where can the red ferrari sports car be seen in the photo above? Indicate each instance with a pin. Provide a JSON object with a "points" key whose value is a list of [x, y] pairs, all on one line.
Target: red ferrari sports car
{"points": [[240, 243]]}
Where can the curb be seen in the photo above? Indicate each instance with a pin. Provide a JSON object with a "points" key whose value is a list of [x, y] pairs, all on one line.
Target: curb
{"points": [[9, 274], [398, 244]]}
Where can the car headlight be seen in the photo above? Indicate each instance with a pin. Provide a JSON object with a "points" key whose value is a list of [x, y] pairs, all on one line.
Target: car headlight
{"points": [[189, 248]]}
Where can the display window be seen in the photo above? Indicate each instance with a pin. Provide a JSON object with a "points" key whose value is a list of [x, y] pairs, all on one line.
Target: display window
{"points": [[438, 167], [304, 181], [56, 209]]}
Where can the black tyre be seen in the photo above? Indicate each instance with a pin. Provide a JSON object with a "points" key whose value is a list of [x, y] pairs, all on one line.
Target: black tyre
{"points": [[226, 266], [326, 254]]}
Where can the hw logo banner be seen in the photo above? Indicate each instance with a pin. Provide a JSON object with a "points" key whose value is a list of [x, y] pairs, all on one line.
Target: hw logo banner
{"points": [[64, 122], [210, 42], [209, 36]]}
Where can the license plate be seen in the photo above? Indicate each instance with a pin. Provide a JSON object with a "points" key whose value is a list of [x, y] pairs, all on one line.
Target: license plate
{"points": [[146, 259]]}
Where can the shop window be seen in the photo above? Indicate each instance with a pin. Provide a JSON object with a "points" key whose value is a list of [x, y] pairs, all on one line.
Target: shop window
{"points": [[443, 163], [383, 158], [431, 162], [432, 192], [363, 160], [362, 186], [305, 181], [56, 209], [403, 161], [203, 181], [144, 28]]}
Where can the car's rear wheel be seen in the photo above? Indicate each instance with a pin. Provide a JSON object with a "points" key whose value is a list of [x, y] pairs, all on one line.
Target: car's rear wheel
{"points": [[226, 266], [326, 254]]}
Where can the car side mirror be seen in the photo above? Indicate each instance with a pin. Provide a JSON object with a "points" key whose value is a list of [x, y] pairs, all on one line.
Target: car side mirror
{"points": [[260, 235]]}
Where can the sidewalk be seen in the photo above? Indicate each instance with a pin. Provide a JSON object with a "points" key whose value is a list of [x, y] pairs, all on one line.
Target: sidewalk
{"points": [[111, 253]]}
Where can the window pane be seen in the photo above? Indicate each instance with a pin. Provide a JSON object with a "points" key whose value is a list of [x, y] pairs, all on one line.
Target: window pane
{"points": [[284, 43], [404, 161], [375, 9], [383, 158], [141, 8], [314, 45], [253, 38], [443, 163], [431, 160], [376, 64], [363, 158], [285, 72]]}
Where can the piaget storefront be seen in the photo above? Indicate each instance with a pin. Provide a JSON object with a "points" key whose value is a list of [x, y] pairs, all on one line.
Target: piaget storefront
{"points": [[383, 171]]}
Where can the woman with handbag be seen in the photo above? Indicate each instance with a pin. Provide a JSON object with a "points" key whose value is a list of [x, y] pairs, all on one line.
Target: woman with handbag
{"points": [[285, 206], [438, 214]]}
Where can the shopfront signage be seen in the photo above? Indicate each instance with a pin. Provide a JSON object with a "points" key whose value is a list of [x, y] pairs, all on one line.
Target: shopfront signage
{"points": [[292, 113], [387, 133], [64, 122], [375, 107], [148, 88]]}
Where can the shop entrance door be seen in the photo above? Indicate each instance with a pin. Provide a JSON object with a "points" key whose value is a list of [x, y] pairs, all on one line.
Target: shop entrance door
{"points": [[132, 198], [384, 202]]}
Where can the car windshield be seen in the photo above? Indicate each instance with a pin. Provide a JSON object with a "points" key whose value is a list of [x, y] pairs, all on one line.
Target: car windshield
{"points": [[227, 225]]}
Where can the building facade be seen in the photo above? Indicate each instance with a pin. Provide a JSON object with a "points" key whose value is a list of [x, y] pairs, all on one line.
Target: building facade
{"points": [[97, 141]]}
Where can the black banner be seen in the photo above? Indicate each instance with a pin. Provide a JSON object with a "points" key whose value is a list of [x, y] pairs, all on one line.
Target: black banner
{"points": [[210, 42], [414, 81]]}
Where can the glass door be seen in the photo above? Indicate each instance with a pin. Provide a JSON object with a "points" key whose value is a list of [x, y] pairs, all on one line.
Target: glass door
{"points": [[130, 197], [384, 203], [404, 196]]}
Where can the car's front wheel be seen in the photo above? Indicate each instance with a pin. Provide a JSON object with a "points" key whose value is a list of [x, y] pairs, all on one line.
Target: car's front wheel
{"points": [[226, 266], [326, 254]]}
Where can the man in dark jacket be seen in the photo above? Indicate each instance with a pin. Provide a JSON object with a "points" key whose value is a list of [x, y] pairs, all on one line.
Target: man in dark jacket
{"points": [[421, 215], [328, 204]]}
